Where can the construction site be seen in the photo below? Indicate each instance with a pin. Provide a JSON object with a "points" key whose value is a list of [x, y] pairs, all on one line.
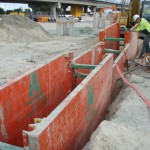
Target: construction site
{"points": [[72, 85]]}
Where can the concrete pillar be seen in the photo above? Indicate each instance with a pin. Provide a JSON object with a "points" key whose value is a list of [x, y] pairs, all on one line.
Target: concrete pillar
{"points": [[71, 27], [92, 8], [102, 23], [65, 29], [85, 9], [53, 10], [59, 24], [98, 19], [64, 7], [34, 10], [94, 18]]}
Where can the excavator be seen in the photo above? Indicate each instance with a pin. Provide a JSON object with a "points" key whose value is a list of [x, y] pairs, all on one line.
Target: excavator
{"points": [[125, 16], [135, 7], [145, 10], [112, 7]]}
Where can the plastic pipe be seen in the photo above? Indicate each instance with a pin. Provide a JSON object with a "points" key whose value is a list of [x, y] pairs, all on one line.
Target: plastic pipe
{"points": [[112, 51], [80, 75], [82, 66]]}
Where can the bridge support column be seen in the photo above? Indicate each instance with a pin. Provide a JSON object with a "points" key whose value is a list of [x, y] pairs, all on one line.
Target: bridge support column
{"points": [[34, 10], [63, 8], [53, 10], [85, 9]]}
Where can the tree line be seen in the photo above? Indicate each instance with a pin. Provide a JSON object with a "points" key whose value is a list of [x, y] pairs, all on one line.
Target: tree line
{"points": [[41, 8], [2, 11]]}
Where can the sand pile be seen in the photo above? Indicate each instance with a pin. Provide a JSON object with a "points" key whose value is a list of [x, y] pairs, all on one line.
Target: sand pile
{"points": [[128, 127], [21, 29]]}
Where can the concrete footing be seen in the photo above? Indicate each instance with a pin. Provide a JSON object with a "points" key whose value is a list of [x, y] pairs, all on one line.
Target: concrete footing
{"points": [[65, 26]]}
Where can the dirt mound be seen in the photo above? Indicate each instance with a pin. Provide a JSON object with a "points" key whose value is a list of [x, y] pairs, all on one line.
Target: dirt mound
{"points": [[114, 136], [21, 29], [129, 120]]}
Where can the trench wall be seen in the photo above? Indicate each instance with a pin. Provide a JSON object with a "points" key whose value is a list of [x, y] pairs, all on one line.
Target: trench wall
{"points": [[93, 57], [71, 124], [112, 31], [69, 116], [33, 95], [129, 51]]}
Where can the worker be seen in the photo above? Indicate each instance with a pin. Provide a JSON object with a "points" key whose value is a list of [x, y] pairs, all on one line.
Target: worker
{"points": [[141, 24]]}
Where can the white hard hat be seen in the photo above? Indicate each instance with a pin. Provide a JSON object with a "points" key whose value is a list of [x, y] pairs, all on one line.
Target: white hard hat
{"points": [[135, 17]]}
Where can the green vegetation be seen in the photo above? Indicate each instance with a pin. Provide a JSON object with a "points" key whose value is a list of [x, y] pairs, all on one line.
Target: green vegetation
{"points": [[2, 11]]}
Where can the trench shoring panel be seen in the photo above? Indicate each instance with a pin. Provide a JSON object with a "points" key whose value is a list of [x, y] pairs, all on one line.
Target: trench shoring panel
{"points": [[31, 96], [71, 124]]}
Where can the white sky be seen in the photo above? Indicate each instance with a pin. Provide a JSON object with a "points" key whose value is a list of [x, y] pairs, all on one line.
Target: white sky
{"points": [[12, 6]]}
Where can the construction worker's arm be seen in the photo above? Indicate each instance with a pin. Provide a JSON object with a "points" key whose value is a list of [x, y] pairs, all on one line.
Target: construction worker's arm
{"points": [[134, 28]]}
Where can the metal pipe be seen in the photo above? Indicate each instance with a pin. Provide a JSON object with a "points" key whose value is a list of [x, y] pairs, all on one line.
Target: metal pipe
{"points": [[80, 75], [114, 39], [82, 66], [112, 51]]}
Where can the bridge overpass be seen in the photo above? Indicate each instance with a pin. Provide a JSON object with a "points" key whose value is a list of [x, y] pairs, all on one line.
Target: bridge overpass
{"points": [[99, 3], [76, 5]]}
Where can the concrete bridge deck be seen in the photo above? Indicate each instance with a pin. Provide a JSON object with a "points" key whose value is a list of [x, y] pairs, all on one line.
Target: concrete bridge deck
{"points": [[79, 2]]}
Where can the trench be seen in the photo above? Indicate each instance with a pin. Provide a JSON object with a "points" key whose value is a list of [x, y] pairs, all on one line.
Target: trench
{"points": [[47, 100]]}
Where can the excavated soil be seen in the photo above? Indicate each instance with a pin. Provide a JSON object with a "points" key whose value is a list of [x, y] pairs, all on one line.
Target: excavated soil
{"points": [[25, 45], [16, 29]]}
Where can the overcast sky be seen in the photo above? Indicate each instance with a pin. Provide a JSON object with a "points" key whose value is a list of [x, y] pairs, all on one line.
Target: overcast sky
{"points": [[11, 6]]}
